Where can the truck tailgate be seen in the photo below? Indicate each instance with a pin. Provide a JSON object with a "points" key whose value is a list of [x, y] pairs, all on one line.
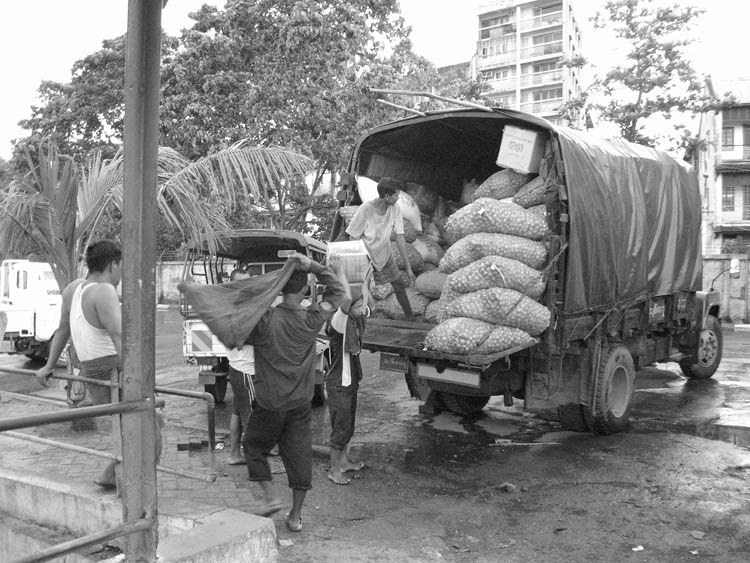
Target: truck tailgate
{"points": [[407, 339]]}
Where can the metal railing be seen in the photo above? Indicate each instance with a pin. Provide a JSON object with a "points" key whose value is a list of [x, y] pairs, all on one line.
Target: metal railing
{"points": [[138, 525]]}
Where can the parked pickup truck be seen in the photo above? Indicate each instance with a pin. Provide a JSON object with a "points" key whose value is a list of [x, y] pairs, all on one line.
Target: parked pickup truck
{"points": [[259, 251], [30, 303], [623, 285]]}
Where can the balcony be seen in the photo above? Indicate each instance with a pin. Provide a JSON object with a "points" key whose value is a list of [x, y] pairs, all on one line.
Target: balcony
{"points": [[501, 84], [540, 22], [547, 106], [544, 49], [542, 78]]}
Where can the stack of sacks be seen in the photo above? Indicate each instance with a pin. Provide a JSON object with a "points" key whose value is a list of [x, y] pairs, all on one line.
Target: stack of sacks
{"points": [[501, 185], [488, 215], [489, 299]]}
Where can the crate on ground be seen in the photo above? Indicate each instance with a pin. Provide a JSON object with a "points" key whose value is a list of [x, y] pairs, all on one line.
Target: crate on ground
{"points": [[353, 256]]}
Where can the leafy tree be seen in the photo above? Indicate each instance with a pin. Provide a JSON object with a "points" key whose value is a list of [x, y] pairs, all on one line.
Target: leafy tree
{"points": [[60, 205], [656, 78], [270, 73]]}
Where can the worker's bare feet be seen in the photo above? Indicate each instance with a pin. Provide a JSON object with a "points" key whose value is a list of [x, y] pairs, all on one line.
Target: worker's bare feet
{"points": [[338, 478], [349, 465]]}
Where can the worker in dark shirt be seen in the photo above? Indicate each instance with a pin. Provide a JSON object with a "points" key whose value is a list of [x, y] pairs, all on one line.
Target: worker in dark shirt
{"points": [[284, 341]]}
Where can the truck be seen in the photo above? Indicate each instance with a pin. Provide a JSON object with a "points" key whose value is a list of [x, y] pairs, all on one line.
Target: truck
{"points": [[258, 251], [30, 303], [623, 284]]}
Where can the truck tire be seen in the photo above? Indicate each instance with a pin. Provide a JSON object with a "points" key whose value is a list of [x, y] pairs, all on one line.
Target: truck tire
{"points": [[615, 382], [218, 390], [463, 404], [418, 388], [705, 360]]}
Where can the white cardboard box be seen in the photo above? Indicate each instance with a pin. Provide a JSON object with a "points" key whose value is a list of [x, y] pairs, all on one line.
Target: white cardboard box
{"points": [[521, 149]]}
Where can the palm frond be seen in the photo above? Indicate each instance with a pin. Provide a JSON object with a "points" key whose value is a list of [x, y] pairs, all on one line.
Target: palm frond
{"points": [[239, 171]]}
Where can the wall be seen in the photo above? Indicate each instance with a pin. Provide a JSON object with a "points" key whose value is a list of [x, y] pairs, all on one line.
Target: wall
{"points": [[168, 275], [735, 301]]}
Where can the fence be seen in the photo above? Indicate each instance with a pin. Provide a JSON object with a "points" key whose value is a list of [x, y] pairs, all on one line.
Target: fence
{"points": [[146, 524]]}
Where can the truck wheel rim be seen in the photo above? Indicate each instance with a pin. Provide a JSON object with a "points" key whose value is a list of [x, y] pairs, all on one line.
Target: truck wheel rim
{"points": [[707, 348], [619, 392]]}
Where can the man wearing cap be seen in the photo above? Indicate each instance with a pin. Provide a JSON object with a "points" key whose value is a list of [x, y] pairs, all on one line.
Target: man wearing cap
{"points": [[373, 223]]}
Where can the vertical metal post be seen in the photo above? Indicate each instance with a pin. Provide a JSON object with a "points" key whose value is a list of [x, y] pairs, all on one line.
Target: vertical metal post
{"points": [[140, 139]]}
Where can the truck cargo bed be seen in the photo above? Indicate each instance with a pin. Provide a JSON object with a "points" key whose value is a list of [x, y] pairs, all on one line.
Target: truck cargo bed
{"points": [[407, 338]]}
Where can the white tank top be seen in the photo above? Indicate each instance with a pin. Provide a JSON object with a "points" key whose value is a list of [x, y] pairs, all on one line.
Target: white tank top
{"points": [[90, 342]]}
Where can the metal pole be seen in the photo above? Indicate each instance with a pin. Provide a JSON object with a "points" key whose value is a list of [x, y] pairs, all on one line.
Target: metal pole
{"points": [[141, 138], [12, 423], [68, 547]]}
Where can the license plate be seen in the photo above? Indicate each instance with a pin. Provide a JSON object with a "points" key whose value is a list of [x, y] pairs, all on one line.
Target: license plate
{"points": [[393, 362], [449, 375]]}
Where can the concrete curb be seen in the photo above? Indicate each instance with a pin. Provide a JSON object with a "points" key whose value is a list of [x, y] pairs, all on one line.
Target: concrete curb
{"points": [[187, 531]]}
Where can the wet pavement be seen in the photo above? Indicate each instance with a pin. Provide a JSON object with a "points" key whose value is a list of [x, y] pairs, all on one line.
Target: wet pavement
{"points": [[502, 485]]}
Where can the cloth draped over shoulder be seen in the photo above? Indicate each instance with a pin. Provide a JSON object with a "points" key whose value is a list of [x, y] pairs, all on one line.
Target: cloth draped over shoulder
{"points": [[231, 310]]}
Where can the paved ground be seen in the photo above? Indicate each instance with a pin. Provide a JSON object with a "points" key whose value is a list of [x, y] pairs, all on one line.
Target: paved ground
{"points": [[674, 484]]}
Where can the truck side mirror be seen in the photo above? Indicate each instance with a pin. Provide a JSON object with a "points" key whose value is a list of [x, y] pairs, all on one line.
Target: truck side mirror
{"points": [[734, 268]]}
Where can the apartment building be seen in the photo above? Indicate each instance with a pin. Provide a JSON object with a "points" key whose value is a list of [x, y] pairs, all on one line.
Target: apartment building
{"points": [[521, 50], [723, 164]]}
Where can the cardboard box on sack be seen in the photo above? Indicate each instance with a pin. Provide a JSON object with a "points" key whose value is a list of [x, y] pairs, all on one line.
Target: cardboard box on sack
{"points": [[521, 149]]}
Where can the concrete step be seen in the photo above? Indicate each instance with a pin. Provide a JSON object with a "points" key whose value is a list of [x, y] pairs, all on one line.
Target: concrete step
{"points": [[19, 539], [188, 532]]}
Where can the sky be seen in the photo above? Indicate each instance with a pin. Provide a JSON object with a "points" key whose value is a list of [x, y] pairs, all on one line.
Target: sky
{"points": [[50, 35]]}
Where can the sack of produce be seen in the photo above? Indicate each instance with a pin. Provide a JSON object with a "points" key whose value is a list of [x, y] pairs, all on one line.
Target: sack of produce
{"points": [[425, 199], [478, 245], [496, 271], [431, 231], [502, 184], [410, 211], [430, 250], [531, 194], [410, 234], [430, 284], [540, 209], [347, 212], [458, 335], [487, 215], [504, 338], [390, 308], [432, 312], [415, 258], [380, 291], [501, 306]]}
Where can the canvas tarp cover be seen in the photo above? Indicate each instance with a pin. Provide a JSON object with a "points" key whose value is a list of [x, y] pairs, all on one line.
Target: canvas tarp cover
{"points": [[634, 223], [231, 310]]}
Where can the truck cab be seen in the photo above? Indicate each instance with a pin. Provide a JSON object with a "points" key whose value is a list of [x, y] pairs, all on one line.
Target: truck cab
{"points": [[30, 303], [258, 251]]}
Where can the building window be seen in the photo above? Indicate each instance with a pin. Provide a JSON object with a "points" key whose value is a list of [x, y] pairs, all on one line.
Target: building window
{"points": [[727, 138], [552, 94], [550, 9], [545, 67], [727, 199], [746, 203], [546, 38]]}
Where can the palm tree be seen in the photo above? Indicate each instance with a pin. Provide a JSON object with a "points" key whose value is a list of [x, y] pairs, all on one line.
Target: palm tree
{"points": [[58, 204]]}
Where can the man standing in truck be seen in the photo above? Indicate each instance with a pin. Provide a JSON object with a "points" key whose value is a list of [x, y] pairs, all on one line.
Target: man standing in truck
{"points": [[373, 223]]}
